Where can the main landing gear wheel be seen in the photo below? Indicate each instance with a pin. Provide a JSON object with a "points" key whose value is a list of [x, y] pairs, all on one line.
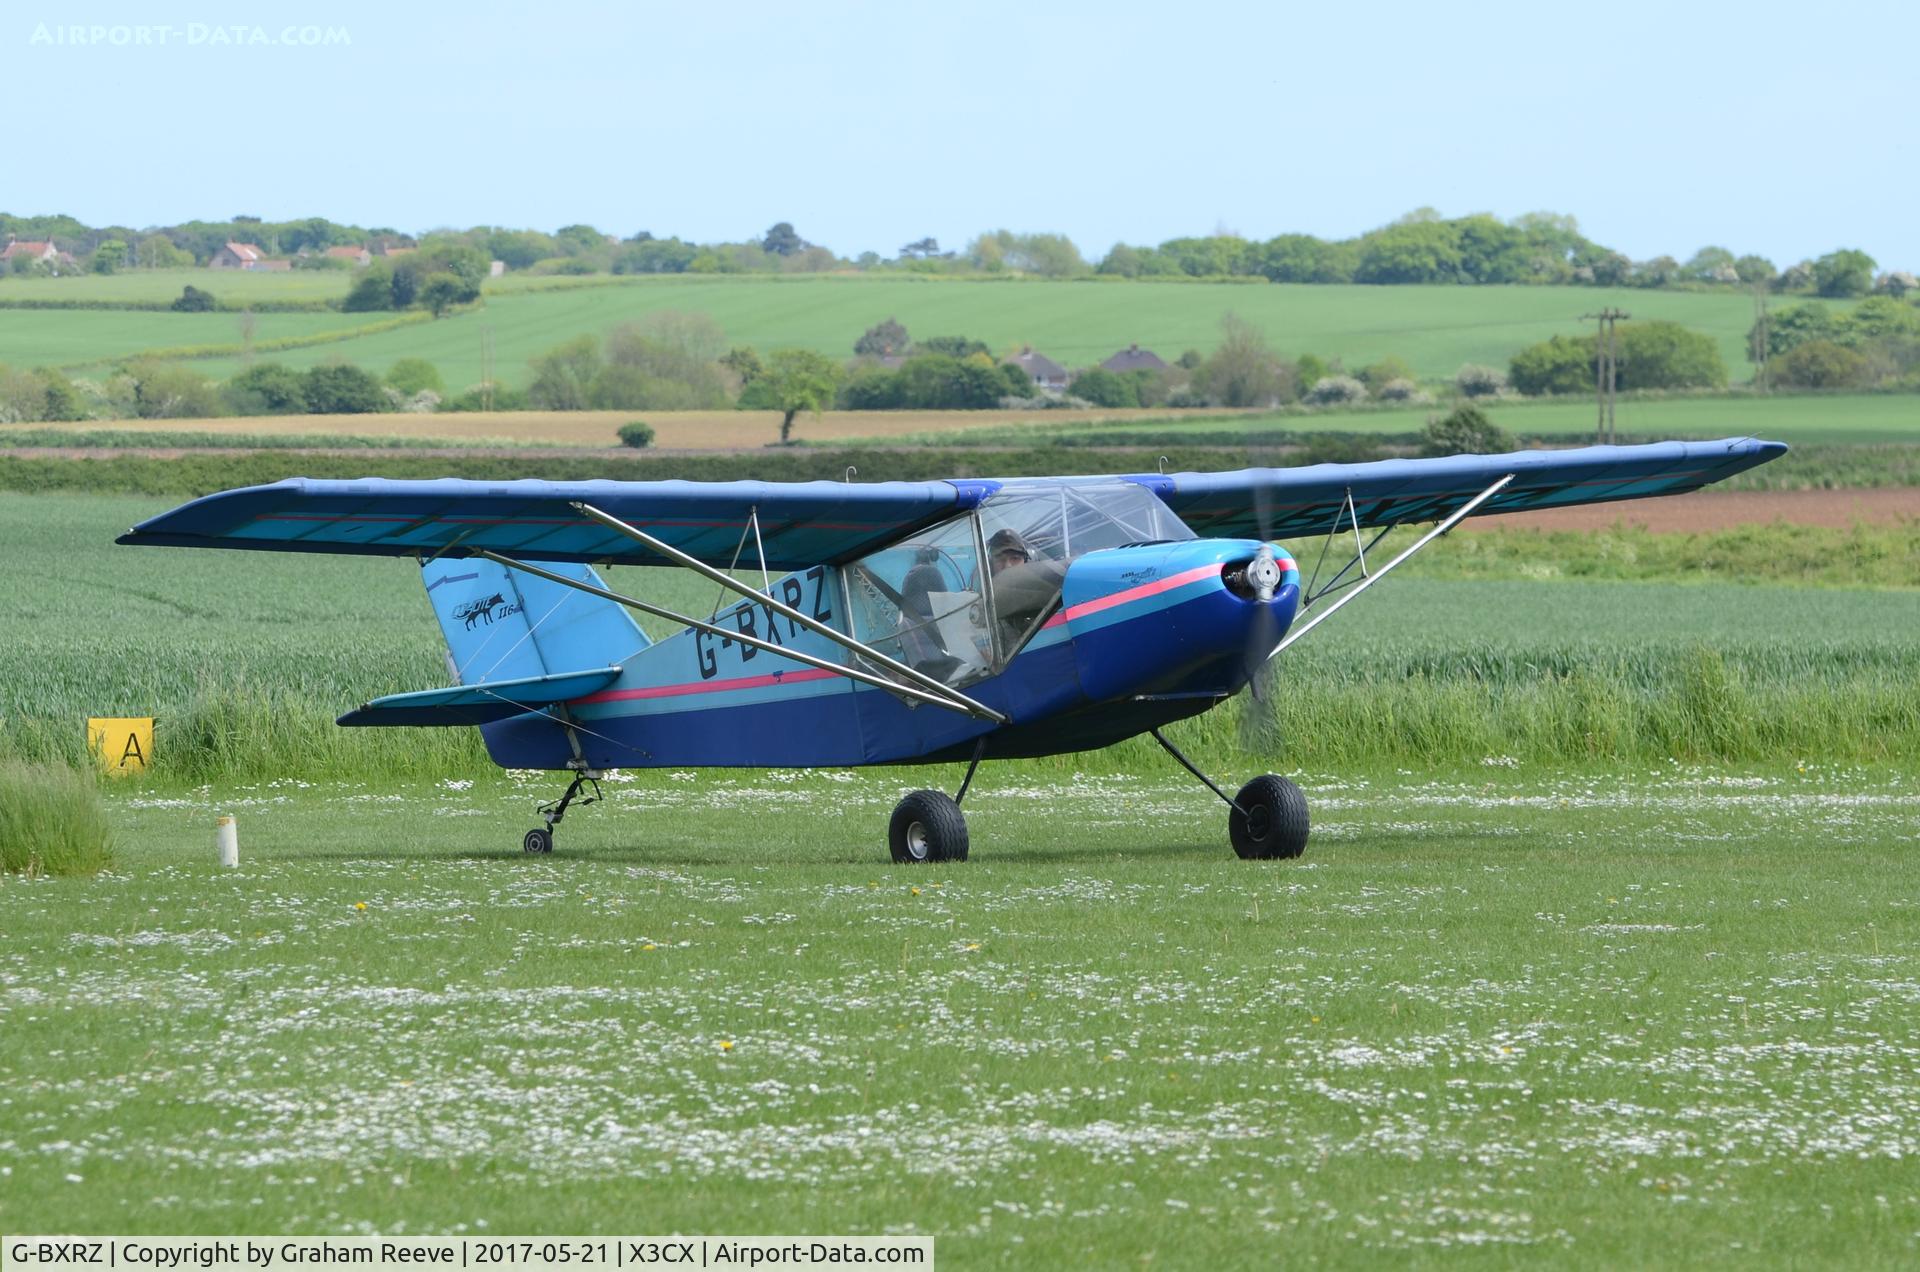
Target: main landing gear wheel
{"points": [[927, 827], [537, 841], [1269, 819]]}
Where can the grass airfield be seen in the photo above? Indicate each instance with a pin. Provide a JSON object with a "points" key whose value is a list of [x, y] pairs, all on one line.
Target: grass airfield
{"points": [[1655, 1015]]}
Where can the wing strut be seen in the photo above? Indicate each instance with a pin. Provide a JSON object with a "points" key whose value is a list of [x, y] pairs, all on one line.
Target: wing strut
{"points": [[951, 696], [966, 705], [1452, 519]]}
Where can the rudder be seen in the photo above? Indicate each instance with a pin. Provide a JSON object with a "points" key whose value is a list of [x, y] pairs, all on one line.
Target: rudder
{"points": [[502, 624]]}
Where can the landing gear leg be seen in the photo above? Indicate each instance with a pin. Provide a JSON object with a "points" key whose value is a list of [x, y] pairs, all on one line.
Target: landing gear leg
{"points": [[1268, 820], [540, 840]]}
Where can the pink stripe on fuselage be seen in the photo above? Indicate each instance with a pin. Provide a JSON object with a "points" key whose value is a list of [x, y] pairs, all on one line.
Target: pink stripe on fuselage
{"points": [[1145, 590], [703, 686]]}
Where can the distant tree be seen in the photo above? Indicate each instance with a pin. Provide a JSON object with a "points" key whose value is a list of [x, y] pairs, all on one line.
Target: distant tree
{"points": [[883, 339], [1795, 325], [156, 390], [1562, 364], [1658, 272], [638, 434], [266, 388], [1491, 251], [563, 375], [1243, 371], [1666, 355], [414, 375], [156, 251], [874, 389], [109, 257], [655, 256], [782, 240], [1896, 283], [60, 399], [1843, 273], [952, 346], [1610, 269], [1465, 430], [744, 362], [1795, 278], [1104, 388], [1379, 373], [194, 301], [1015, 379], [441, 292], [1190, 360], [343, 389], [920, 249], [1821, 364], [1878, 318], [799, 380], [1710, 265], [1474, 380], [1417, 252], [1336, 390], [576, 240], [1754, 270], [372, 290], [520, 249], [1302, 258]]}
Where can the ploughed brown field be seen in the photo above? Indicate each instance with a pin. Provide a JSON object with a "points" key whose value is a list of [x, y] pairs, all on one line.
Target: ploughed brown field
{"points": [[1725, 509]]}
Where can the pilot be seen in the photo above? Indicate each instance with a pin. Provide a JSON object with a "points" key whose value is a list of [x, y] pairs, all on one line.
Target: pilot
{"points": [[1022, 586]]}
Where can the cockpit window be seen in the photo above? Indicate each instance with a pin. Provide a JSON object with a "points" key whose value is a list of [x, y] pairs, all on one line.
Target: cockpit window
{"points": [[1033, 534], [925, 601], [919, 602]]}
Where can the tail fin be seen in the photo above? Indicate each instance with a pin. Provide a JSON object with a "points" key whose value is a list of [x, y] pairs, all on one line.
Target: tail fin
{"points": [[501, 624]]}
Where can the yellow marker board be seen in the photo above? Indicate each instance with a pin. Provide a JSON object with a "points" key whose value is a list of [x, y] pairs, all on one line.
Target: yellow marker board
{"points": [[123, 745]]}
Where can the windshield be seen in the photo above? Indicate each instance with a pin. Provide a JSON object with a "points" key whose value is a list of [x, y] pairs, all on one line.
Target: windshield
{"points": [[924, 602]]}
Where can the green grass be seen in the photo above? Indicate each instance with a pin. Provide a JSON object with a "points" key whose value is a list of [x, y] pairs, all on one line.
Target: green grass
{"points": [[52, 821], [1435, 329], [235, 287], [1644, 1018], [247, 658], [33, 338]]}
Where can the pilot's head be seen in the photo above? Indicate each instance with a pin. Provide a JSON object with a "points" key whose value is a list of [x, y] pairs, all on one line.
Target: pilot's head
{"points": [[1006, 548]]}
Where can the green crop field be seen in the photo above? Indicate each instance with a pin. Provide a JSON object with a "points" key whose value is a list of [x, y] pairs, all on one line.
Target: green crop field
{"points": [[229, 286], [71, 337], [1079, 323], [1613, 650]]}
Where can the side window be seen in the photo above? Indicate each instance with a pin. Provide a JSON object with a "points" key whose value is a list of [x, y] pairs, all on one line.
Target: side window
{"points": [[920, 602]]}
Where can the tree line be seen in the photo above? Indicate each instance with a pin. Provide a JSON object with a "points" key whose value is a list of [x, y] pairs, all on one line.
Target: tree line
{"points": [[1420, 247]]}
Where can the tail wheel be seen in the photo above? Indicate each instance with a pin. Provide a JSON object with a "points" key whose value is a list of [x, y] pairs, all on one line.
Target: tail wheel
{"points": [[927, 827], [537, 841], [1270, 820]]}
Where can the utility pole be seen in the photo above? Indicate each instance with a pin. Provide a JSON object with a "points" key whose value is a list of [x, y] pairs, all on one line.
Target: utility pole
{"points": [[486, 368], [1762, 339], [1606, 370]]}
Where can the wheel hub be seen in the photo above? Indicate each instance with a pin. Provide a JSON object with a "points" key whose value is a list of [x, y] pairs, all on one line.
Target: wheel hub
{"points": [[917, 841]]}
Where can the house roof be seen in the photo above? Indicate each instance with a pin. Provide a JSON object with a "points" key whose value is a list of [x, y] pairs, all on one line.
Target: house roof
{"points": [[27, 247], [347, 253], [246, 251], [1038, 365], [1134, 358]]}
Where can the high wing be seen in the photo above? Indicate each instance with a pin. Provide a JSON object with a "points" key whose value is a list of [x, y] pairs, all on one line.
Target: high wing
{"points": [[1274, 503], [793, 525], [801, 524]]}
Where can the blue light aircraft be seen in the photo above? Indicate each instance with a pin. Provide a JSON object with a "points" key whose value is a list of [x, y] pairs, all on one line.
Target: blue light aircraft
{"points": [[895, 622]]}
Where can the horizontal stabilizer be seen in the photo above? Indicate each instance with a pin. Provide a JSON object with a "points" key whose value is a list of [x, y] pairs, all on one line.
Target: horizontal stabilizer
{"points": [[481, 703]]}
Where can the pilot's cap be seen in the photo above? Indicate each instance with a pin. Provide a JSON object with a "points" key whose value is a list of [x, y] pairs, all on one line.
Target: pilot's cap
{"points": [[1007, 541]]}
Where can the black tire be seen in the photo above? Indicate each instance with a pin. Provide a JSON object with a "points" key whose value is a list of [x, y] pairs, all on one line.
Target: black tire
{"points": [[927, 827], [1274, 823], [538, 841]]}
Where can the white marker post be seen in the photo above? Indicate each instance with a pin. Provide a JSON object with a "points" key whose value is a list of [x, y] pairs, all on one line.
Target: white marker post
{"points": [[226, 836]]}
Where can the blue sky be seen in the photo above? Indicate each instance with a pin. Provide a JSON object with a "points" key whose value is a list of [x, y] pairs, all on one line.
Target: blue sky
{"points": [[1783, 129]]}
